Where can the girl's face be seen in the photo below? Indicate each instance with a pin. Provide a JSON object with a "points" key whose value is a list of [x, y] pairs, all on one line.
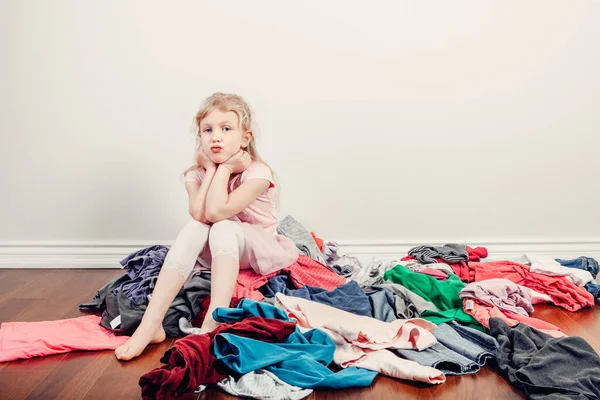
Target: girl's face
{"points": [[220, 135]]}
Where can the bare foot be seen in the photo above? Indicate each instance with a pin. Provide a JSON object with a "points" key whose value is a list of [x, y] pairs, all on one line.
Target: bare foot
{"points": [[141, 338], [208, 325]]}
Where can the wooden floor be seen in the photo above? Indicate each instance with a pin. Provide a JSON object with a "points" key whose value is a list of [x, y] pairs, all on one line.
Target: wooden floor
{"points": [[38, 295]]}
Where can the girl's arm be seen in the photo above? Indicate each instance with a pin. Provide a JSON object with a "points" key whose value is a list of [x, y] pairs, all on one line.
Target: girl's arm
{"points": [[221, 205], [197, 196]]}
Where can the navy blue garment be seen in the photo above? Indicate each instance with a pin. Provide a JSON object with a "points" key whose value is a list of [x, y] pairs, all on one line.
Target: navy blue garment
{"points": [[586, 264], [300, 361], [460, 350], [348, 297], [143, 268]]}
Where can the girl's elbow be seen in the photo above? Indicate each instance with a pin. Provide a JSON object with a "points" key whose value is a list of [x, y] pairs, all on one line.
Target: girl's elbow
{"points": [[199, 216], [213, 216]]}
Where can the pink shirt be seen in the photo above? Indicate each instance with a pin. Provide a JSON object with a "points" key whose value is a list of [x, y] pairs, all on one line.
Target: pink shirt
{"points": [[34, 339], [263, 211], [265, 250]]}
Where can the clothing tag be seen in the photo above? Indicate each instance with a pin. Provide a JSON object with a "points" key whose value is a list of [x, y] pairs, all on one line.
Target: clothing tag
{"points": [[469, 305], [200, 389], [115, 322]]}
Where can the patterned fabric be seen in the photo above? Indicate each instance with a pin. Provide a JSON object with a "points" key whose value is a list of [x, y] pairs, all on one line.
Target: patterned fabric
{"points": [[305, 271], [453, 253]]}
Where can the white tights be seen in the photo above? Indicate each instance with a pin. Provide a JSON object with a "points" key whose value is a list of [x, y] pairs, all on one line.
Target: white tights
{"points": [[225, 238]]}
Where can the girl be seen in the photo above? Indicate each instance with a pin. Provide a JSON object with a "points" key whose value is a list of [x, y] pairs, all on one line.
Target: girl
{"points": [[232, 200]]}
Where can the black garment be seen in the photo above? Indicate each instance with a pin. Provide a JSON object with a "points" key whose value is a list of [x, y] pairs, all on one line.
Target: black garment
{"points": [[99, 300], [545, 367], [186, 304]]}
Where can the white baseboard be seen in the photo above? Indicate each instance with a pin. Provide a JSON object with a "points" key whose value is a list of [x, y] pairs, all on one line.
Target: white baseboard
{"points": [[107, 254], [498, 250]]}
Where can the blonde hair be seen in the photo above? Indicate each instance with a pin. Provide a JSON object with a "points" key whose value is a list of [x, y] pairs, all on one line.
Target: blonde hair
{"points": [[228, 102]]}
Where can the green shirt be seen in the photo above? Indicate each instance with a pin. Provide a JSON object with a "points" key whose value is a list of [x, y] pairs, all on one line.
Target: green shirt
{"points": [[443, 294]]}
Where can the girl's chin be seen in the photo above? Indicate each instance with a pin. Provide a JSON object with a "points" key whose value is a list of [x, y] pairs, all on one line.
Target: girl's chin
{"points": [[219, 159]]}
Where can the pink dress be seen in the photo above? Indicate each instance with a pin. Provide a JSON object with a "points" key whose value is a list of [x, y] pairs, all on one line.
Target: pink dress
{"points": [[265, 250]]}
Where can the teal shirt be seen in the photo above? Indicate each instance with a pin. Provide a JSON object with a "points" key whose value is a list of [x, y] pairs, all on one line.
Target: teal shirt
{"points": [[300, 361]]}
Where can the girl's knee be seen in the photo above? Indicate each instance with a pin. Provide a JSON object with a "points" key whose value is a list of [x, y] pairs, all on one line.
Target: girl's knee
{"points": [[225, 237], [193, 232], [196, 227], [224, 227], [225, 230]]}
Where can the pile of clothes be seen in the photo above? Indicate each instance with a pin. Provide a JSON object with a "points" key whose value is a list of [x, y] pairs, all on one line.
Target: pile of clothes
{"points": [[438, 311]]}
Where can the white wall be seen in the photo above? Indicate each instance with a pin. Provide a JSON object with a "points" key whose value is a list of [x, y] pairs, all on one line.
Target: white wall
{"points": [[390, 121]]}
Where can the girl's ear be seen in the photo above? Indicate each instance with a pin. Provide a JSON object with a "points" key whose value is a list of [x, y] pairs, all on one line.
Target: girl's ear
{"points": [[246, 137]]}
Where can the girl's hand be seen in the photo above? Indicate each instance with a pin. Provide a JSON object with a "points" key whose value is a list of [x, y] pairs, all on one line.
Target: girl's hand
{"points": [[238, 162], [203, 161]]}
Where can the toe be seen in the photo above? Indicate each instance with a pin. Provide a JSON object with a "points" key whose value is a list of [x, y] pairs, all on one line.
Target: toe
{"points": [[121, 351]]}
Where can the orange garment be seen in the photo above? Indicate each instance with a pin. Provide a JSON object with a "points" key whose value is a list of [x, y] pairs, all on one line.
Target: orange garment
{"points": [[563, 292], [33, 339], [318, 241], [305, 271], [482, 313]]}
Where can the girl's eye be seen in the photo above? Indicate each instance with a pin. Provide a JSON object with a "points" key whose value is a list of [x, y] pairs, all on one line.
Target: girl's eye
{"points": [[207, 130], [226, 129]]}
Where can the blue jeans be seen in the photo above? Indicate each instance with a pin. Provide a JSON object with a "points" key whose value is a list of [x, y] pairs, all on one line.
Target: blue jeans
{"points": [[585, 263], [460, 350], [593, 289]]}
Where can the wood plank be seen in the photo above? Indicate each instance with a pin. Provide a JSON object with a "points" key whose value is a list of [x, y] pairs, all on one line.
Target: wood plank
{"points": [[588, 319], [567, 322], [216, 394], [11, 280], [384, 387], [73, 376], [120, 379], [19, 378], [11, 309], [39, 283], [33, 295], [62, 301], [472, 386]]}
